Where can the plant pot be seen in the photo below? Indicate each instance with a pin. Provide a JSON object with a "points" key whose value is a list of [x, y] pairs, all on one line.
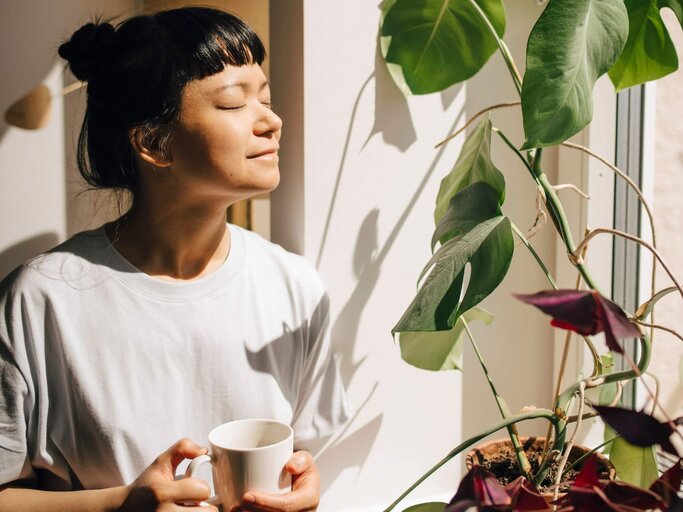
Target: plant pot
{"points": [[499, 458]]}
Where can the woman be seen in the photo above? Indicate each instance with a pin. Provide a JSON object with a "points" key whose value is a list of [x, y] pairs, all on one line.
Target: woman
{"points": [[168, 321]]}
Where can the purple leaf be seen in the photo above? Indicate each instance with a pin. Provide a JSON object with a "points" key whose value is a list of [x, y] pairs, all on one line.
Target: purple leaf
{"points": [[588, 477], [667, 485], [586, 499], [575, 309], [481, 489], [637, 427], [525, 495], [585, 312], [621, 493], [609, 495]]}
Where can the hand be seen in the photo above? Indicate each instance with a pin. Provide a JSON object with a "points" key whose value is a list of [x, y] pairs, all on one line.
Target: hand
{"points": [[155, 490], [305, 494]]}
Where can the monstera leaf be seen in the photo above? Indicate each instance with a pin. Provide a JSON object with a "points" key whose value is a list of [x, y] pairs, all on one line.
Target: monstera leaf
{"points": [[441, 350], [649, 52], [437, 43], [473, 164], [636, 465], [482, 237], [572, 44]]}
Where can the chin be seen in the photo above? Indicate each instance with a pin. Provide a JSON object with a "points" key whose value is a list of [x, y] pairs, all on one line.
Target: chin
{"points": [[263, 185], [269, 182]]}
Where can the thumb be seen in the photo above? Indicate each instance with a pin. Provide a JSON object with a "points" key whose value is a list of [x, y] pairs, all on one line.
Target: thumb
{"points": [[299, 463]]}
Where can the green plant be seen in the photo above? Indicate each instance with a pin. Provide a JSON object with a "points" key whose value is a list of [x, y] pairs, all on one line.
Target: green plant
{"points": [[430, 45]]}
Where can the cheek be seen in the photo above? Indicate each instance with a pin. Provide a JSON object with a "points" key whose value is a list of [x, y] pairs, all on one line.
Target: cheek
{"points": [[217, 143]]}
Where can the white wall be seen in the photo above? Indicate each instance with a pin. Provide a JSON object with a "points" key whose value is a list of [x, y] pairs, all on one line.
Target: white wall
{"points": [[34, 182], [359, 179]]}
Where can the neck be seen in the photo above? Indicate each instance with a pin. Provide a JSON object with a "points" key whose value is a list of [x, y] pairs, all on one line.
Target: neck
{"points": [[172, 241]]}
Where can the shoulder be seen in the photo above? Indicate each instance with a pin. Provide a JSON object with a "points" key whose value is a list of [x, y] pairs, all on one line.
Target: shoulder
{"points": [[270, 259], [70, 262]]}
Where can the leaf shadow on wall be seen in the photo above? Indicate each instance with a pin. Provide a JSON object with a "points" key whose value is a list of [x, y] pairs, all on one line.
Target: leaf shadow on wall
{"points": [[368, 260], [393, 120], [395, 123]]}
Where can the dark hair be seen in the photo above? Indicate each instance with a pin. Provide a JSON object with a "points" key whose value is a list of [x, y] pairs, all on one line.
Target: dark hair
{"points": [[136, 73]]}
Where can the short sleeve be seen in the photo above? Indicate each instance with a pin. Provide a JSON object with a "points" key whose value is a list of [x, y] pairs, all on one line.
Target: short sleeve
{"points": [[321, 404], [16, 402]]}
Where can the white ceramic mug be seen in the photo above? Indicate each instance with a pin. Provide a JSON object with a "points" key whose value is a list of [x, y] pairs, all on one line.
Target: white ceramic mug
{"points": [[247, 455]]}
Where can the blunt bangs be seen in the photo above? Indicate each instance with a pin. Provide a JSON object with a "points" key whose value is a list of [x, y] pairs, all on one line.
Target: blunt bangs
{"points": [[206, 40]]}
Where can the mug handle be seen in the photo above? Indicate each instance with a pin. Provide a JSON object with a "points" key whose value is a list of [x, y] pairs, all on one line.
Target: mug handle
{"points": [[190, 473]]}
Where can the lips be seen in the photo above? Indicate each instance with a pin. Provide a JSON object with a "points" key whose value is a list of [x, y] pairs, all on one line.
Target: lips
{"points": [[269, 151]]}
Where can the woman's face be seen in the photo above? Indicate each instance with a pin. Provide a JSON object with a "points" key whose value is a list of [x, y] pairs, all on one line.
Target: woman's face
{"points": [[225, 144]]}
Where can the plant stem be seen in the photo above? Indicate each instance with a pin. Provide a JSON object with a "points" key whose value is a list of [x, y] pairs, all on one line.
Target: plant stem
{"points": [[524, 465], [533, 252], [557, 212], [504, 50], [570, 444], [538, 413]]}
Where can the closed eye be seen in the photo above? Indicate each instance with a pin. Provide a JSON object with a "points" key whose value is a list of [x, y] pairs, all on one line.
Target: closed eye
{"points": [[223, 107]]}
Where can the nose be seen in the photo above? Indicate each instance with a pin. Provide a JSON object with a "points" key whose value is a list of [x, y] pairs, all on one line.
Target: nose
{"points": [[268, 122]]}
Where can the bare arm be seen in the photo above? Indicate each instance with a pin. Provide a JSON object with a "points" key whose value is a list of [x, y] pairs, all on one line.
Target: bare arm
{"points": [[16, 499], [155, 490]]}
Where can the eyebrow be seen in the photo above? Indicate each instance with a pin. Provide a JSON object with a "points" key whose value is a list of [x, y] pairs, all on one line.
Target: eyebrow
{"points": [[242, 85]]}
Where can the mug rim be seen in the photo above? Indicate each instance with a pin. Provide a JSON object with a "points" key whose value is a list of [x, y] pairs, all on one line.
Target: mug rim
{"points": [[289, 436]]}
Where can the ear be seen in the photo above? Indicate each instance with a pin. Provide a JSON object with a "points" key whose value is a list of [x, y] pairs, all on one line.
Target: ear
{"points": [[148, 148]]}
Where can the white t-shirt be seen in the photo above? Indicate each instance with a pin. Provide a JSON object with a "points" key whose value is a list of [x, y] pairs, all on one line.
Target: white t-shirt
{"points": [[103, 367]]}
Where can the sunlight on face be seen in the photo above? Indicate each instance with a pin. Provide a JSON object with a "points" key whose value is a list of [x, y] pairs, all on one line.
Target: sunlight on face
{"points": [[225, 144]]}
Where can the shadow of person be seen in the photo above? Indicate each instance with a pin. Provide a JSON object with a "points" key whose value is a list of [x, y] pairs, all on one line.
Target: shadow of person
{"points": [[20, 252]]}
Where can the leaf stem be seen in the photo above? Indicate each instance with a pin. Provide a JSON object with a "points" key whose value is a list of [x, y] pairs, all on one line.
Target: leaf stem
{"points": [[538, 413], [473, 118], [504, 50], [588, 454], [533, 252], [524, 464], [517, 152]]}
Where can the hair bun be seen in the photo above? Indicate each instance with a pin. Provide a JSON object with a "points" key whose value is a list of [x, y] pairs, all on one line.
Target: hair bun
{"points": [[88, 49]]}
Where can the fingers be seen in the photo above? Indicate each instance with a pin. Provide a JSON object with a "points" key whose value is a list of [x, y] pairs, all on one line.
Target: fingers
{"points": [[186, 489], [183, 508], [301, 500], [305, 494], [183, 449]]}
